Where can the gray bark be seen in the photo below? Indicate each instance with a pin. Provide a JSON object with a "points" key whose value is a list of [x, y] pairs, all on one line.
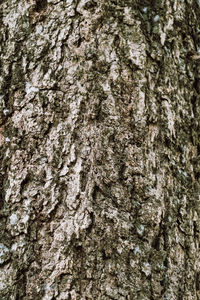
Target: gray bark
{"points": [[99, 148]]}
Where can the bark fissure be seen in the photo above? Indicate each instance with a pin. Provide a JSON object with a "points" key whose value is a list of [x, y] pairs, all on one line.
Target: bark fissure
{"points": [[99, 148]]}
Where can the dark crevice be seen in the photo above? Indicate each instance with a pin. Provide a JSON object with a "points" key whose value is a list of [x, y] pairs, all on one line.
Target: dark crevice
{"points": [[197, 279], [92, 217], [156, 241], [24, 183], [196, 85], [90, 5], [105, 256], [193, 102], [78, 43], [40, 5]]}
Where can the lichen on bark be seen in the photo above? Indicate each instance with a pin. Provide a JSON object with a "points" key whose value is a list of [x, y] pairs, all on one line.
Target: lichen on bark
{"points": [[99, 148]]}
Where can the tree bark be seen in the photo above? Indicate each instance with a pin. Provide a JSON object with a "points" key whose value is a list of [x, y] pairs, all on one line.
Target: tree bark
{"points": [[100, 149]]}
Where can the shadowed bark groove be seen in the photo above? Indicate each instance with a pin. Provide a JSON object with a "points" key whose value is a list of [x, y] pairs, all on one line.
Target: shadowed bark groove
{"points": [[99, 149]]}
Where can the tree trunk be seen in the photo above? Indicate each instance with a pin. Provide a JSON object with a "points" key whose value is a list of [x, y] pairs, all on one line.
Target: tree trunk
{"points": [[100, 149]]}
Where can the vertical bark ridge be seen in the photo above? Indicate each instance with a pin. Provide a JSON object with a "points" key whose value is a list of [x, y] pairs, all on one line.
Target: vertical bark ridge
{"points": [[99, 137]]}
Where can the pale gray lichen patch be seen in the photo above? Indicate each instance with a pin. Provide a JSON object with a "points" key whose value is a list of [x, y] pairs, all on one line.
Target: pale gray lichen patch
{"points": [[156, 18], [25, 219], [4, 253], [140, 229], [94, 152], [6, 111], [137, 250], [30, 89], [13, 219], [146, 268]]}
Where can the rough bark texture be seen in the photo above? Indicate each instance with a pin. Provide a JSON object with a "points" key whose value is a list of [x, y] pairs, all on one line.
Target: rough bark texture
{"points": [[99, 136]]}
